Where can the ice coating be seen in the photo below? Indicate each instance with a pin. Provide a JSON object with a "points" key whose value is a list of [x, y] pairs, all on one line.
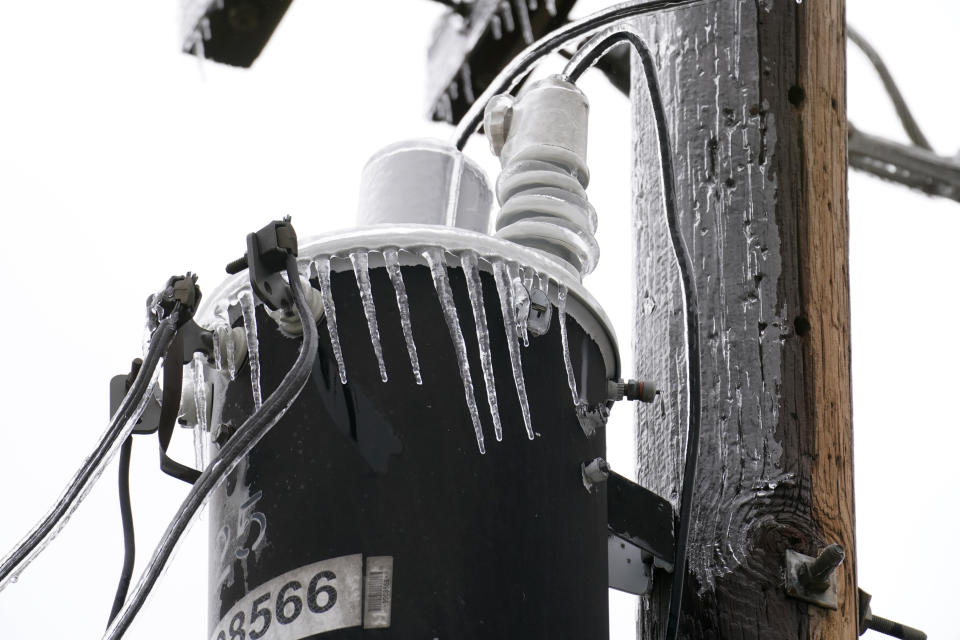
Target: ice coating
{"points": [[224, 342], [249, 310], [392, 259], [468, 260], [329, 311], [562, 317], [200, 442], [361, 269], [521, 303], [441, 282], [505, 291]]}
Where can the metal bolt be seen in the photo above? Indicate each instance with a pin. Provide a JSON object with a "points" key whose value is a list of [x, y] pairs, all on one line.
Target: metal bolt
{"points": [[642, 390], [815, 575], [594, 472], [882, 625], [541, 311]]}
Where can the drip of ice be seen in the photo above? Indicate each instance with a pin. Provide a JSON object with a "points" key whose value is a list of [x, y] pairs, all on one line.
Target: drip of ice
{"points": [[505, 291], [200, 399], [441, 282], [521, 306], [225, 342], [329, 311], [392, 259], [551, 6], [562, 317], [468, 260], [495, 27], [361, 269], [249, 310]]}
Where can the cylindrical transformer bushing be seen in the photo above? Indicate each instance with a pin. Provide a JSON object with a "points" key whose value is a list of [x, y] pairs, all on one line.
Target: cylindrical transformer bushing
{"points": [[424, 182]]}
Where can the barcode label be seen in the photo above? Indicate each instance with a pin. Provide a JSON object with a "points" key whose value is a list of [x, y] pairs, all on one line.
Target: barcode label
{"points": [[378, 592]]}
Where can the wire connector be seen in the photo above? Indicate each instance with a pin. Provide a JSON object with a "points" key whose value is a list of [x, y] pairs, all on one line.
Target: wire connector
{"points": [[181, 294], [266, 258]]}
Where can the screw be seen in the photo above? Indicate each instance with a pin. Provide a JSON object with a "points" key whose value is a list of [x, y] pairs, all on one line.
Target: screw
{"points": [[237, 265], [815, 576]]}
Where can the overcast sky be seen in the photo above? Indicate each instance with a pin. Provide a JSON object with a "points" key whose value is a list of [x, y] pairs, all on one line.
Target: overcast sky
{"points": [[123, 161]]}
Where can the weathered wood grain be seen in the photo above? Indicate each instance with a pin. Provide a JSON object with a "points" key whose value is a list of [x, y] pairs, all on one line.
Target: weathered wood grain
{"points": [[755, 93]]}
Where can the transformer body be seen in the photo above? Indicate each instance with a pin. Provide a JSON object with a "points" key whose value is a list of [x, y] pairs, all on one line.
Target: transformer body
{"points": [[368, 510]]}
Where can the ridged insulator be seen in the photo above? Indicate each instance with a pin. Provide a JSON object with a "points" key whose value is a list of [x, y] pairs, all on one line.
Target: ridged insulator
{"points": [[541, 140]]}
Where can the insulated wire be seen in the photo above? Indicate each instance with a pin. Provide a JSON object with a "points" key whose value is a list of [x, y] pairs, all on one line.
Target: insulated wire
{"points": [[235, 449], [120, 427], [520, 66], [899, 103], [126, 519], [585, 58]]}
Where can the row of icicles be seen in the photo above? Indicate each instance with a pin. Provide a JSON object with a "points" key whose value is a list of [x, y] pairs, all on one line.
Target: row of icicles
{"points": [[513, 283]]}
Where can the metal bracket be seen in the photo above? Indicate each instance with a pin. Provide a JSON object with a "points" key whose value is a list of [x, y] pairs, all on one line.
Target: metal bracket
{"points": [[266, 256], [149, 420], [630, 568], [641, 518]]}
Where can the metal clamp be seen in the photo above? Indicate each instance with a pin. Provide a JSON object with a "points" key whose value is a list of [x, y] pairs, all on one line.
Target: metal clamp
{"points": [[266, 257]]}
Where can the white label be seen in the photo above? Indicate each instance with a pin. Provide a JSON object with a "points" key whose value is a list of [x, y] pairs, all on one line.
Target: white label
{"points": [[378, 592], [319, 597]]}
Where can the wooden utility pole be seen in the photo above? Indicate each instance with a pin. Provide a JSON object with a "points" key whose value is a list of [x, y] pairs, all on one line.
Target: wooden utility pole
{"points": [[754, 90]]}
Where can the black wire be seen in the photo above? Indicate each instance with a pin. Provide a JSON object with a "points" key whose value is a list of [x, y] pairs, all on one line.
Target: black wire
{"points": [[169, 409], [129, 538], [598, 46], [87, 473], [238, 446], [520, 66], [899, 103]]}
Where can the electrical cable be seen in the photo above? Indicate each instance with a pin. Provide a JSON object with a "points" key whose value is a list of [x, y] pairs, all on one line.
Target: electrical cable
{"points": [[899, 103], [120, 427], [129, 538], [236, 448], [520, 66], [585, 58], [169, 410]]}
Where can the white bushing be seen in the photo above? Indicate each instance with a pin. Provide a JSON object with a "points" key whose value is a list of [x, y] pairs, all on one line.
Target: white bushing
{"points": [[541, 139], [424, 182]]}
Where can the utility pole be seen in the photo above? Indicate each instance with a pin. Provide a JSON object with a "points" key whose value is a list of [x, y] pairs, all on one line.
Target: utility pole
{"points": [[754, 92]]}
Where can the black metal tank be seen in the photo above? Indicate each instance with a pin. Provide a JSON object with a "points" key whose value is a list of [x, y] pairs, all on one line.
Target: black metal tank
{"points": [[368, 511]]}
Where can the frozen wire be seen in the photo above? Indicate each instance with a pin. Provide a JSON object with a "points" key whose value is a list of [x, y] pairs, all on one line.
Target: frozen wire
{"points": [[235, 450], [899, 103], [519, 67], [120, 427], [586, 57]]}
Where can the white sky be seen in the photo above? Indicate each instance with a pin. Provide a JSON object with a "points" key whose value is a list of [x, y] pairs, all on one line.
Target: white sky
{"points": [[123, 161]]}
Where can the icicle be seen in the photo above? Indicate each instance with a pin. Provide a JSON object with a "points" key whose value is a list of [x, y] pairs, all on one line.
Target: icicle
{"points": [[249, 310], [505, 291], [361, 270], [468, 260], [441, 282], [495, 27], [551, 6], [200, 400], [224, 342], [562, 317], [392, 259], [521, 309], [329, 311], [507, 14], [523, 15]]}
